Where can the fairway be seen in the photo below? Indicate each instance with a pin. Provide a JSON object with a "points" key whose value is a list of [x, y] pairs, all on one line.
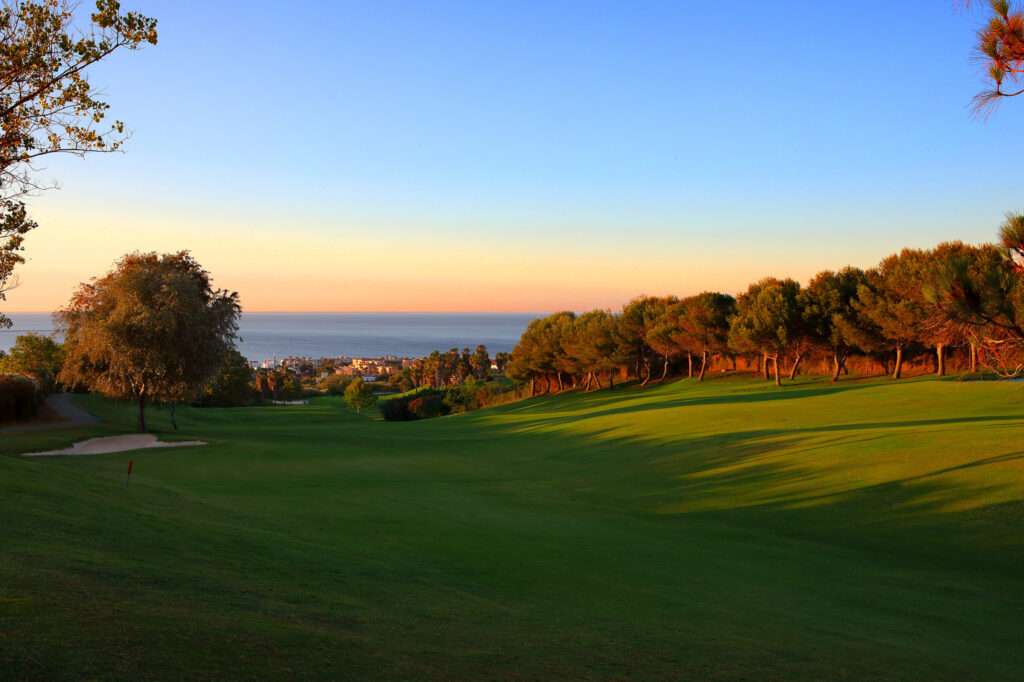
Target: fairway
{"points": [[724, 530]]}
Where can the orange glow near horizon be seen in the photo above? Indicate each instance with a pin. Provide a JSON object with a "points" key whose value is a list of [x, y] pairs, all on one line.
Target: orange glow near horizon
{"points": [[344, 269]]}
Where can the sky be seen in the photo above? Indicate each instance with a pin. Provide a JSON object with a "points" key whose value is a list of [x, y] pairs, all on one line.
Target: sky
{"points": [[500, 156]]}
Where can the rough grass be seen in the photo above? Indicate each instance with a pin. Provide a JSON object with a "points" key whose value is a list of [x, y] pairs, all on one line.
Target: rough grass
{"points": [[728, 530]]}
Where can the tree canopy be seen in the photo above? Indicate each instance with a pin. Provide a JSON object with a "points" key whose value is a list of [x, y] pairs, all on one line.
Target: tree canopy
{"points": [[1000, 50], [47, 104], [34, 355], [358, 395], [153, 329]]}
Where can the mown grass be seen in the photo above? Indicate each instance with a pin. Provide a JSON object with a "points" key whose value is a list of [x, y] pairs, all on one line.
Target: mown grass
{"points": [[728, 530]]}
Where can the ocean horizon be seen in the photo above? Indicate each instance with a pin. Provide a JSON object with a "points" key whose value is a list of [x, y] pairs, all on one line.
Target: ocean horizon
{"points": [[262, 336]]}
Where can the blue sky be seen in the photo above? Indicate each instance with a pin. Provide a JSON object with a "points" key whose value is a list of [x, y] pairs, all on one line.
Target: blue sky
{"points": [[531, 156]]}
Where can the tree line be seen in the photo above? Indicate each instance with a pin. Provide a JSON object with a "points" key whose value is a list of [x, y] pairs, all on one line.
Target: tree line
{"points": [[913, 302], [452, 368]]}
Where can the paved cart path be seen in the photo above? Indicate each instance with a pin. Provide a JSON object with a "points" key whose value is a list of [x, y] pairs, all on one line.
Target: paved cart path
{"points": [[61, 403]]}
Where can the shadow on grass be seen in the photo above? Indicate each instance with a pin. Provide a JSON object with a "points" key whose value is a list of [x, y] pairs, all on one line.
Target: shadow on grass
{"points": [[654, 397], [842, 484]]}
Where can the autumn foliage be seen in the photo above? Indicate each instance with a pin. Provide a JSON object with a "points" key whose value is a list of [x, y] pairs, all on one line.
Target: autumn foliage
{"points": [[151, 330]]}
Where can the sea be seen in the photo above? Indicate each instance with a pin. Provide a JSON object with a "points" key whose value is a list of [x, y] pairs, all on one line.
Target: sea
{"points": [[262, 336]]}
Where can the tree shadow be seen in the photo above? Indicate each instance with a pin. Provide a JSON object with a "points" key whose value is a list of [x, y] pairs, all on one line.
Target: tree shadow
{"points": [[648, 398], [786, 480]]}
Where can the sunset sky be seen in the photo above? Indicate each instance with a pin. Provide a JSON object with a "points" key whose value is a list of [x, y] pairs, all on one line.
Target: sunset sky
{"points": [[460, 156]]}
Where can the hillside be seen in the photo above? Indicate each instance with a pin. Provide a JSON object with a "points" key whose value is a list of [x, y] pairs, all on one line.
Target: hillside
{"points": [[725, 530]]}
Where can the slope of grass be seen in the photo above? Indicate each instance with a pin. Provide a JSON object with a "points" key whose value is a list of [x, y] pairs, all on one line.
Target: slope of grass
{"points": [[728, 530]]}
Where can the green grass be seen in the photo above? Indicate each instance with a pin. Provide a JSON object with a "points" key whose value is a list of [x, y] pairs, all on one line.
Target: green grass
{"points": [[728, 530]]}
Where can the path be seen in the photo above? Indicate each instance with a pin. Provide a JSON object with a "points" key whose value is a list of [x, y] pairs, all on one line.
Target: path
{"points": [[62, 405]]}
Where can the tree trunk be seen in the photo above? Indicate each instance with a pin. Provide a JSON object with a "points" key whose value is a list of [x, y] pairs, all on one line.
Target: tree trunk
{"points": [[974, 357], [764, 365], [142, 414], [940, 357], [703, 365], [689, 361], [561, 386], [586, 386], [796, 363], [664, 372], [778, 382], [838, 366], [597, 378], [173, 422], [611, 380], [899, 363], [532, 391], [647, 372]]}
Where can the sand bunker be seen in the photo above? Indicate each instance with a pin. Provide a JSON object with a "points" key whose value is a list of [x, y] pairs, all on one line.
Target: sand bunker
{"points": [[100, 446]]}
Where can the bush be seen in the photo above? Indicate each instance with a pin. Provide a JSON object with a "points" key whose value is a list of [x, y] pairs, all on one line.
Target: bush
{"points": [[336, 384], [20, 397], [395, 410], [426, 405], [472, 395]]}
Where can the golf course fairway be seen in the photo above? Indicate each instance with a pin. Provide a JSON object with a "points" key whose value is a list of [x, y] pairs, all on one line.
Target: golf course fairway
{"points": [[719, 530]]}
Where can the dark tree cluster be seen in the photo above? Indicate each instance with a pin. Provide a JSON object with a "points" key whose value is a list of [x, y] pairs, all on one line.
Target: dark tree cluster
{"points": [[955, 296], [452, 368]]}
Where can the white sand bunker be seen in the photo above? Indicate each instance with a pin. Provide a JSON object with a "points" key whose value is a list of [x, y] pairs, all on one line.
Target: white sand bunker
{"points": [[100, 446]]}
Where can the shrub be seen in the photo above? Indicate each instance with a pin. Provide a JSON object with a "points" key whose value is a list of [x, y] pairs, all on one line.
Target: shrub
{"points": [[438, 402], [336, 384], [20, 397], [426, 405], [395, 410]]}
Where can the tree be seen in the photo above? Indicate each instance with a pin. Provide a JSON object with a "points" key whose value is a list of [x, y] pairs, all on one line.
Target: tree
{"points": [[1011, 238], [35, 355], [1000, 48], [276, 380], [501, 359], [481, 362], [232, 386], [592, 345], [768, 318], [153, 329], [539, 352], [47, 105], [704, 325], [892, 298], [828, 312], [663, 335], [979, 292], [358, 395], [637, 317], [740, 338]]}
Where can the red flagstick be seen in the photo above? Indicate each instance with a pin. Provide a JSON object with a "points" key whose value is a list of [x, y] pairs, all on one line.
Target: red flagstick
{"points": [[129, 472]]}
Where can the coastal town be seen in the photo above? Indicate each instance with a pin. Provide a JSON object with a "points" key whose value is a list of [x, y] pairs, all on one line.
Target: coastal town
{"points": [[294, 376], [370, 369]]}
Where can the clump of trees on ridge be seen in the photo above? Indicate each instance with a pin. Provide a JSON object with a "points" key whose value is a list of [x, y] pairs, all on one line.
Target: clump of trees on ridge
{"points": [[913, 303]]}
